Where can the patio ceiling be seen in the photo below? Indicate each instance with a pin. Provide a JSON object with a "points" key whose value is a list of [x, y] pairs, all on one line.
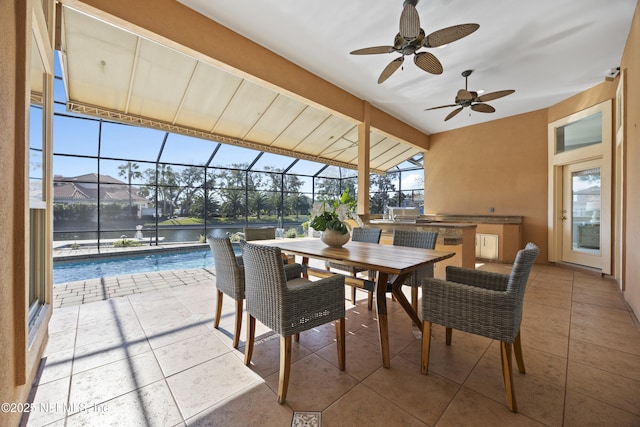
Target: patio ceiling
{"points": [[119, 75]]}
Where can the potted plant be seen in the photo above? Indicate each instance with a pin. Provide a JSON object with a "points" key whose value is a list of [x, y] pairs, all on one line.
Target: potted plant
{"points": [[329, 217]]}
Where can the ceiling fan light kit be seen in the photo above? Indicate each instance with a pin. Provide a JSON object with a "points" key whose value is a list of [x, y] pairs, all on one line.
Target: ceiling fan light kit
{"points": [[411, 38]]}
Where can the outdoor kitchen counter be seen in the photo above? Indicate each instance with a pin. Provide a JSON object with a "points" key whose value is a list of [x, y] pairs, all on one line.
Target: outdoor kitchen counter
{"points": [[474, 219], [508, 229], [452, 236]]}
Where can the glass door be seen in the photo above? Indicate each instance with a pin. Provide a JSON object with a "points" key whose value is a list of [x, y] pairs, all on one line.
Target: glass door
{"points": [[580, 188], [582, 206]]}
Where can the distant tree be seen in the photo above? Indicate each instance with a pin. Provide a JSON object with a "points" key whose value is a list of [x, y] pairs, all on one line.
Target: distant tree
{"points": [[166, 187], [235, 178], [160, 185], [381, 195], [258, 202], [232, 183], [328, 188], [130, 170], [196, 208], [232, 202], [189, 183], [148, 190], [333, 187], [298, 203], [294, 201]]}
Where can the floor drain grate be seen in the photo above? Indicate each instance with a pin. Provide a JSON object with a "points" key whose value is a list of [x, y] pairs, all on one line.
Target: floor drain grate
{"points": [[306, 419]]}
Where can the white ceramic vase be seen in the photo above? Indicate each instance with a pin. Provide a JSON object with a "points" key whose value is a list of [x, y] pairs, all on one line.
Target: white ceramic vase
{"points": [[334, 239]]}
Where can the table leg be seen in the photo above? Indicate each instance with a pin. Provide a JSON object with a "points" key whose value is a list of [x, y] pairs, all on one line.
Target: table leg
{"points": [[396, 290], [383, 321], [305, 263]]}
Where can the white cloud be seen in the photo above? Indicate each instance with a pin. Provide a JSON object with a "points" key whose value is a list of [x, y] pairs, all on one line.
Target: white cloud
{"points": [[412, 181]]}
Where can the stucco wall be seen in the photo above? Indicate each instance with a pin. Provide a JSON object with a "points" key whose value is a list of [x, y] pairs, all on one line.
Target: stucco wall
{"points": [[631, 66], [501, 164], [595, 95]]}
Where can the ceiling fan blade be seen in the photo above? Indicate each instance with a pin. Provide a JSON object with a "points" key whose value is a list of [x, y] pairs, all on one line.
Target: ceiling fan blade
{"points": [[464, 95], [409, 22], [428, 62], [495, 95], [483, 108], [390, 69], [441, 106], [449, 34], [453, 113], [373, 50]]}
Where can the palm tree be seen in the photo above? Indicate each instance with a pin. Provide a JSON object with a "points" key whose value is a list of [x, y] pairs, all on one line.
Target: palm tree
{"points": [[233, 202], [130, 170], [258, 201]]}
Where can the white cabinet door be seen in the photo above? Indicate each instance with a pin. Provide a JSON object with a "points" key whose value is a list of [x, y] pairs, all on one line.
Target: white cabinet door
{"points": [[487, 246]]}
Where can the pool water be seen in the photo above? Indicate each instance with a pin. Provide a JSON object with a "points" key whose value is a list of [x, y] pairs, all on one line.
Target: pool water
{"points": [[71, 271]]}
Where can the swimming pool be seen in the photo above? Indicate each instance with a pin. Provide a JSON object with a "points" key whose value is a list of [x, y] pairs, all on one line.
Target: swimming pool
{"points": [[71, 271]]}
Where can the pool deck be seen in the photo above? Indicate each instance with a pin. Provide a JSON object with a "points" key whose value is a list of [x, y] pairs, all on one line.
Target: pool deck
{"points": [[89, 252], [100, 289]]}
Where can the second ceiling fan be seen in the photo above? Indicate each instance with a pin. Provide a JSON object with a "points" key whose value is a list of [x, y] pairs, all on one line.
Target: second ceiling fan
{"points": [[467, 98], [412, 38]]}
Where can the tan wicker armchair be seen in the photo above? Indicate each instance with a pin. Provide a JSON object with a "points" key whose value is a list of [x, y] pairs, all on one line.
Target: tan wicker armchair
{"points": [[288, 308], [481, 303], [416, 239], [229, 272], [359, 234]]}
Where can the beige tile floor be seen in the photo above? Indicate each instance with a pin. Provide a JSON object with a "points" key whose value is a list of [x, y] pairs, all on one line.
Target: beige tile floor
{"points": [[154, 359]]}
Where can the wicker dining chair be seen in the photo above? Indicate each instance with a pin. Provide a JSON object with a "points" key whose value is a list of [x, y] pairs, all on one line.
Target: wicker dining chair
{"points": [[482, 303], [416, 239], [229, 273], [259, 233], [288, 307], [359, 234], [230, 279]]}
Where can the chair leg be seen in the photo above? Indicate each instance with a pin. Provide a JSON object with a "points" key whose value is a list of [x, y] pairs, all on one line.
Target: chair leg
{"points": [[216, 321], [505, 355], [426, 346], [285, 368], [340, 339], [238, 327], [414, 299], [448, 336], [251, 335], [517, 350], [297, 337], [353, 295]]}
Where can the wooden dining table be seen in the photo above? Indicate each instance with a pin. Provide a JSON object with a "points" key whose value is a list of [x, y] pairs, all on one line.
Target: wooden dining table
{"points": [[392, 263]]}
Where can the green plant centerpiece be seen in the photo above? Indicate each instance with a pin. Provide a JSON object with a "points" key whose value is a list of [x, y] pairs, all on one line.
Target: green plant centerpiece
{"points": [[330, 216]]}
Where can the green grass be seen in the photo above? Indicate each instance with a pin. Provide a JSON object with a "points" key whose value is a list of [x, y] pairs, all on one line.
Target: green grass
{"points": [[182, 221]]}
